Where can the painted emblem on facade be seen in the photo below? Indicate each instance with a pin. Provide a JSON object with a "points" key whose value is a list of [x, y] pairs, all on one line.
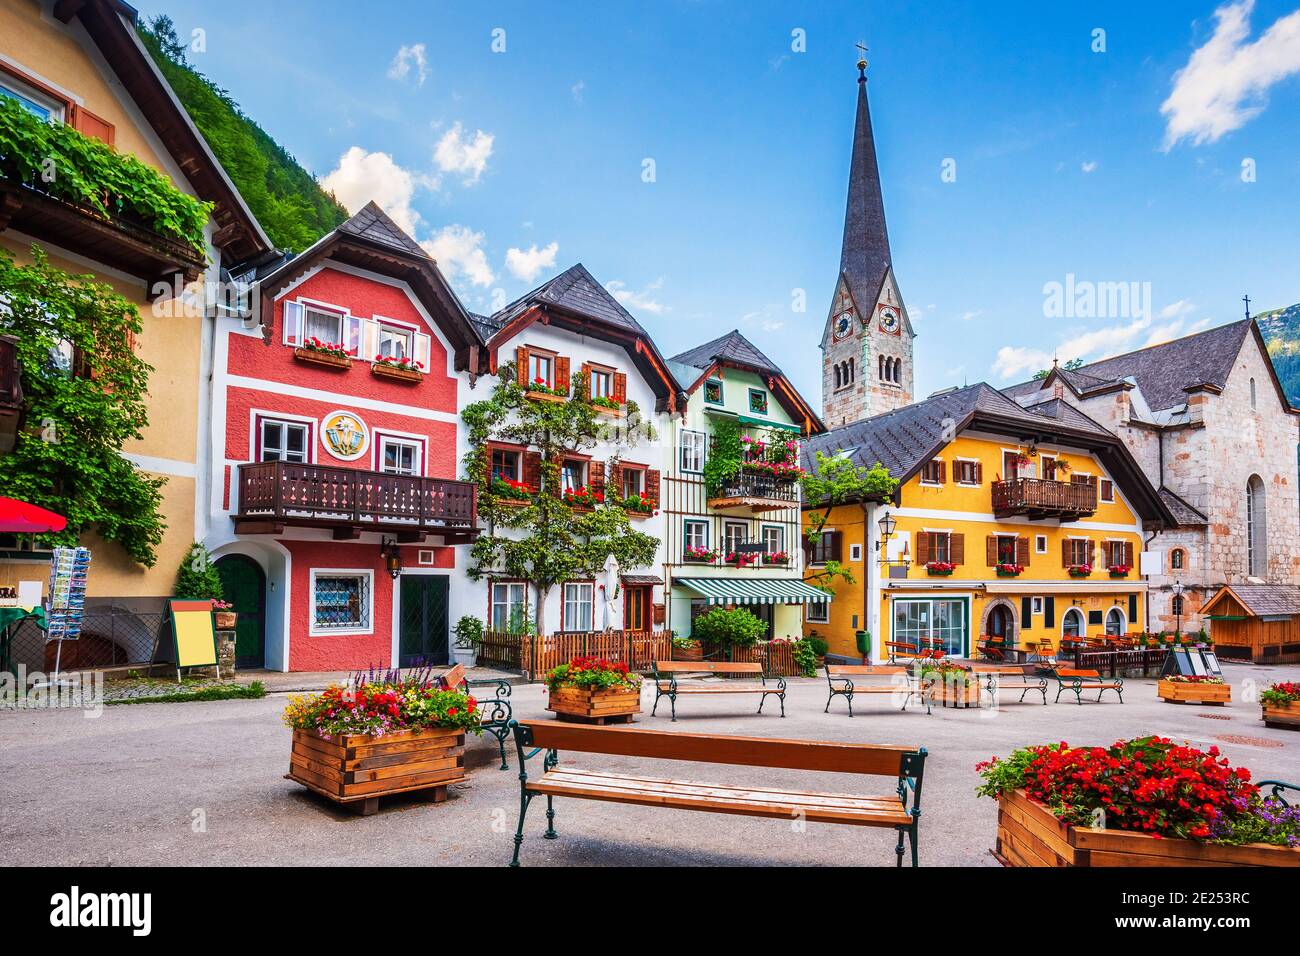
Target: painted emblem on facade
{"points": [[344, 435]]}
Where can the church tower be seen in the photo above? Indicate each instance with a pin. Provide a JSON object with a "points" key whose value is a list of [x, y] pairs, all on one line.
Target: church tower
{"points": [[867, 343]]}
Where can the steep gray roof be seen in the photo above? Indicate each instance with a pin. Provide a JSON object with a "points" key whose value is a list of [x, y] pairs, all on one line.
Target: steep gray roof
{"points": [[1181, 510], [573, 290], [864, 254], [1265, 599], [732, 347], [1163, 372], [371, 222]]}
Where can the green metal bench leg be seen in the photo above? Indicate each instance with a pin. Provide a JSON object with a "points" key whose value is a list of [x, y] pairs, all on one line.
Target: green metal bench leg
{"points": [[658, 694], [898, 850], [672, 700], [849, 698], [781, 698], [829, 698], [762, 699], [550, 833], [524, 801], [911, 838]]}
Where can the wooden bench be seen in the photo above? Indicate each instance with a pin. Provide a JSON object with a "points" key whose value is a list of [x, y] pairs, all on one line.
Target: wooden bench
{"points": [[1009, 677], [898, 649], [494, 712], [904, 765], [840, 679], [993, 648], [1080, 680], [670, 688]]}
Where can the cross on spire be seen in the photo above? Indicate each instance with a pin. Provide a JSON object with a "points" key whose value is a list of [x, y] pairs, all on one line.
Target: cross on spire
{"points": [[862, 62], [1246, 298]]}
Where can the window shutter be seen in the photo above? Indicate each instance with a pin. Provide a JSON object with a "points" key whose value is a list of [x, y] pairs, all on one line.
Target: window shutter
{"points": [[1049, 612], [652, 486], [89, 124], [923, 548], [562, 373], [1092, 553], [1022, 550], [422, 349], [370, 340], [533, 470], [837, 546], [991, 550], [352, 335], [616, 478], [292, 323], [1026, 612], [1128, 554], [1107, 489], [957, 548], [943, 472], [596, 477], [979, 473], [586, 378], [620, 387], [521, 363], [1065, 552], [1133, 612]]}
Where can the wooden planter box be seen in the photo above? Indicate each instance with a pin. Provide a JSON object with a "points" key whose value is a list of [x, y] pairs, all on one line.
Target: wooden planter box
{"points": [[1283, 716], [595, 706], [1028, 835], [359, 769], [225, 620], [688, 653], [407, 375], [1178, 692], [609, 412], [327, 359], [956, 694], [546, 397]]}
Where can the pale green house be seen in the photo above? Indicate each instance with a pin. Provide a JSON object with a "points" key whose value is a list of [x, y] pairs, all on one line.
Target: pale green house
{"points": [[735, 541]]}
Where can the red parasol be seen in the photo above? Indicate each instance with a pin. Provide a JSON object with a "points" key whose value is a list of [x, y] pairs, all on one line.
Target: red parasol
{"points": [[18, 517]]}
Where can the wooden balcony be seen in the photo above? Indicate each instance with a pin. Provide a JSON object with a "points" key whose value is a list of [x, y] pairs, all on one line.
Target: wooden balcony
{"points": [[754, 494], [1041, 498], [11, 393], [277, 494]]}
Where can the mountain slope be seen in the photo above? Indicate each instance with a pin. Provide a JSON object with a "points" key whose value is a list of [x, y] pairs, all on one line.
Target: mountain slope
{"points": [[1281, 330], [287, 201]]}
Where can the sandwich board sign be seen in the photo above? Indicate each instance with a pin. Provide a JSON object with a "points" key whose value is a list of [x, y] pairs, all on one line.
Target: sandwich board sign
{"points": [[194, 638]]}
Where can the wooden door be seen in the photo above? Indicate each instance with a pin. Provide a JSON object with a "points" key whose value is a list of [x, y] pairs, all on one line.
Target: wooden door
{"points": [[424, 635], [244, 586]]}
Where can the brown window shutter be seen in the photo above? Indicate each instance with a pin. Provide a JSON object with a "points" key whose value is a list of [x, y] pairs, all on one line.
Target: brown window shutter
{"points": [[620, 387], [652, 486], [533, 470], [562, 373], [616, 479], [595, 476], [521, 365], [1107, 489], [923, 547], [979, 473], [957, 548], [1092, 553], [991, 550], [837, 546], [586, 378], [1022, 551], [88, 124], [943, 472], [1065, 552], [1128, 553]]}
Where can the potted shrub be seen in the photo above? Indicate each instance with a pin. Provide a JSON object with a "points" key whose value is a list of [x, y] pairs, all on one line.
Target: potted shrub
{"points": [[1182, 689], [948, 683], [224, 617], [819, 647], [1281, 703], [469, 635], [939, 568], [1010, 570], [1080, 570], [594, 690], [329, 354], [384, 734], [687, 649], [1143, 802], [402, 369]]}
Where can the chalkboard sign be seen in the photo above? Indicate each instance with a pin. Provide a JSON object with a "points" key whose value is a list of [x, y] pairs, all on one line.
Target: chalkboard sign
{"points": [[1191, 662]]}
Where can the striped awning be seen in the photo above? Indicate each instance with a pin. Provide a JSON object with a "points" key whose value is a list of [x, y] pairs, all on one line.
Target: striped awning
{"points": [[753, 591]]}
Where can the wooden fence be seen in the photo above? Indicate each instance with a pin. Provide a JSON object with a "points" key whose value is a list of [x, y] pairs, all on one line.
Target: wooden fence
{"points": [[776, 658]]}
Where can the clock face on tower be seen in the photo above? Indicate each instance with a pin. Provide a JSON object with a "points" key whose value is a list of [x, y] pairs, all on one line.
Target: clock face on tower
{"points": [[889, 318], [843, 324]]}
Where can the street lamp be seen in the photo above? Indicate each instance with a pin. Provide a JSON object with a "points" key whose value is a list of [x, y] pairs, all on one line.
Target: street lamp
{"points": [[1178, 609], [392, 556], [887, 525]]}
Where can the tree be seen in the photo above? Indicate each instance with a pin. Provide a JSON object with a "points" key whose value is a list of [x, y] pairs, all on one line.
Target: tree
{"points": [[835, 480], [83, 388], [562, 543], [197, 578]]}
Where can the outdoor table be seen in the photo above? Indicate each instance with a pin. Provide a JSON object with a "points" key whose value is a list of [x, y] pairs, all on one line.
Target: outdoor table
{"points": [[10, 618]]}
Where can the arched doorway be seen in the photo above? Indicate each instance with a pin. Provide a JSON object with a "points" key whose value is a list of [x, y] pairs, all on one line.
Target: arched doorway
{"points": [[1072, 624], [1001, 624], [1114, 623], [244, 585]]}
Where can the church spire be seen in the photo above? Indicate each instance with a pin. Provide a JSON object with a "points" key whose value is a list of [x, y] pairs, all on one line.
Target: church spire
{"points": [[864, 256]]}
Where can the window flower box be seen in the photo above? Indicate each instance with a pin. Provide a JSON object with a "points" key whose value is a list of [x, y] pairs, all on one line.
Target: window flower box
{"points": [[1194, 689], [938, 569], [593, 690], [638, 506], [1281, 705], [608, 407], [742, 559], [1010, 570], [328, 354], [539, 390], [583, 499], [398, 369], [1119, 570], [776, 559], [1080, 570], [697, 555], [507, 491]]}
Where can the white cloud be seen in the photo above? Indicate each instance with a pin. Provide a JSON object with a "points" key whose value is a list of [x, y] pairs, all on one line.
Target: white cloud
{"points": [[406, 58], [1015, 362], [458, 250], [527, 264], [457, 154], [1224, 83], [1177, 309], [1088, 166], [973, 314], [578, 89], [643, 301], [362, 176]]}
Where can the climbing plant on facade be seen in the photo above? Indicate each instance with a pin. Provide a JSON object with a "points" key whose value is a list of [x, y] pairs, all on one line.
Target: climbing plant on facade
{"points": [[558, 538], [84, 396]]}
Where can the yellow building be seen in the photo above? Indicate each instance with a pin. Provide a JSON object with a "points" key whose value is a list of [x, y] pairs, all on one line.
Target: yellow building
{"points": [[81, 65], [1024, 523]]}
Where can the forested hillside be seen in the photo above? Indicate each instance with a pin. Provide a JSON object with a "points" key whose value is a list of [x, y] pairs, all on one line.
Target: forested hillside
{"points": [[287, 201], [1281, 330]]}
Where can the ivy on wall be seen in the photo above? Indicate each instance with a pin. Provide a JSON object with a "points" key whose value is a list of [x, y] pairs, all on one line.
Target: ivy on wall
{"points": [[84, 397], [726, 452], [55, 159]]}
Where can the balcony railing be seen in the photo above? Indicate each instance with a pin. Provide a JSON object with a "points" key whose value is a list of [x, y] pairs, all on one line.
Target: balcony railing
{"points": [[757, 492], [349, 500], [1043, 498]]}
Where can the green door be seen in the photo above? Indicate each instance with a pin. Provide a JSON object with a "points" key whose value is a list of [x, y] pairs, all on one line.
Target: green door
{"points": [[424, 634], [244, 585]]}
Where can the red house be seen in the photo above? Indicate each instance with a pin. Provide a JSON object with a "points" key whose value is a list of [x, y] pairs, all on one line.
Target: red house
{"points": [[335, 433]]}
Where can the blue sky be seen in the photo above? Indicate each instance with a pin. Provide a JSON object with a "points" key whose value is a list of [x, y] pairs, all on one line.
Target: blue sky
{"points": [[1063, 158]]}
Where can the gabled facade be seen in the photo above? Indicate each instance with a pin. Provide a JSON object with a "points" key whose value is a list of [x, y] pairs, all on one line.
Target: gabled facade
{"points": [[1021, 524], [335, 420], [1208, 421], [570, 330], [81, 65], [738, 543]]}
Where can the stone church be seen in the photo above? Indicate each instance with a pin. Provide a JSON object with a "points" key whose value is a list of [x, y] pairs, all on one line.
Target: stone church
{"points": [[1205, 415]]}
